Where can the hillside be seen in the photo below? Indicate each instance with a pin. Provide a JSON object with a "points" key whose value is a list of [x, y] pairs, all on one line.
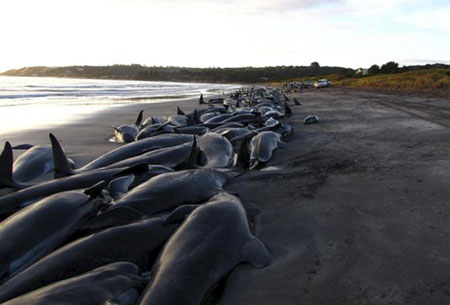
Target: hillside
{"points": [[433, 79], [184, 74]]}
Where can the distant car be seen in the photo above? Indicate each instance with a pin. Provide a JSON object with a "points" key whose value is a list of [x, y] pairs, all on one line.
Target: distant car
{"points": [[322, 83], [307, 84]]}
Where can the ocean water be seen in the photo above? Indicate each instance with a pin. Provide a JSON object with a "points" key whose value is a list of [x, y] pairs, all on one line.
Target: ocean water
{"points": [[32, 102]]}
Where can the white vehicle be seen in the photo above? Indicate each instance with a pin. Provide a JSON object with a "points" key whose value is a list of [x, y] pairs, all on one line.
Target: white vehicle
{"points": [[322, 83]]}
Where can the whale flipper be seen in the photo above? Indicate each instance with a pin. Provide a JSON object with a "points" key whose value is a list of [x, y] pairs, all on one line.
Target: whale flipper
{"points": [[256, 253], [119, 186], [95, 190], [180, 213]]}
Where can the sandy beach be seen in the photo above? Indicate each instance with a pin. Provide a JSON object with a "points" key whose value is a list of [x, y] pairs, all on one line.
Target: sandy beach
{"points": [[354, 211]]}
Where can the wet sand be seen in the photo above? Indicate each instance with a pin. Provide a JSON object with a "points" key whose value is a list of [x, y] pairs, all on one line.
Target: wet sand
{"points": [[355, 211]]}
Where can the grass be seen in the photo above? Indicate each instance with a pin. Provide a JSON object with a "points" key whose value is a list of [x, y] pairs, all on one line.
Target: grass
{"points": [[420, 80], [433, 79]]}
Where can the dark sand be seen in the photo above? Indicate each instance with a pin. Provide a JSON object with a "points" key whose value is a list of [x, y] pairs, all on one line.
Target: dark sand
{"points": [[355, 211]]}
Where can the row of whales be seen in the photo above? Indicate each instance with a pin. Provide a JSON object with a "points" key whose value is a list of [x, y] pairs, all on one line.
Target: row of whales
{"points": [[149, 222]]}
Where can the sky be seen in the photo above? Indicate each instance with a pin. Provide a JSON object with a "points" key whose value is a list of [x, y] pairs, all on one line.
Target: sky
{"points": [[223, 33]]}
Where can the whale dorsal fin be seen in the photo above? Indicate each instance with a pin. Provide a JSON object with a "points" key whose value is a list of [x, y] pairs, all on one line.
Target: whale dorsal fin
{"points": [[179, 111], [139, 118], [287, 109], [243, 157], [256, 253], [62, 164], [191, 161], [6, 166]]}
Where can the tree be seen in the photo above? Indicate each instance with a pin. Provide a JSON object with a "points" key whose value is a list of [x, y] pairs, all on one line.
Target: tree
{"points": [[374, 69], [347, 73], [315, 67], [389, 67]]}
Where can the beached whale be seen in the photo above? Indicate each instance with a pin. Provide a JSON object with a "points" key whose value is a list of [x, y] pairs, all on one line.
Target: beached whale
{"points": [[311, 119], [35, 162], [262, 147], [13, 202], [159, 194], [194, 130], [37, 230], [168, 191], [151, 120], [218, 119], [154, 130], [117, 283], [215, 151], [127, 133], [121, 153], [209, 244], [179, 157], [138, 243]]}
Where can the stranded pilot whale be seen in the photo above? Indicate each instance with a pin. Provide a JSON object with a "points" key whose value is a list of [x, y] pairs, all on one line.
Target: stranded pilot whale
{"points": [[12, 202], [121, 153], [262, 147], [127, 133], [37, 230], [138, 243], [35, 162], [210, 243], [161, 193], [117, 283]]}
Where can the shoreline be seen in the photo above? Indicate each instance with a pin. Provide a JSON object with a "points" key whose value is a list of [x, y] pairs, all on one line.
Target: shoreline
{"points": [[85, 138], [368, 183]]}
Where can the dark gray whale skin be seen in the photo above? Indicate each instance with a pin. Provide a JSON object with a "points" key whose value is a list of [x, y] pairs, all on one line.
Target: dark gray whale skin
{"points": [[138, 243], [208, 245], [35, 162], [116, 283], [216, 151], [15, 201], [168, 191], [170, 156], [134, 149], [37, 230]]}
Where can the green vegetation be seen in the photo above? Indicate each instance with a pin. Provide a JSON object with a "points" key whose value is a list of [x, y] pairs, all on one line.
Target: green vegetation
{"points": [[183, 74], [388, 76], [427, 79]]}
